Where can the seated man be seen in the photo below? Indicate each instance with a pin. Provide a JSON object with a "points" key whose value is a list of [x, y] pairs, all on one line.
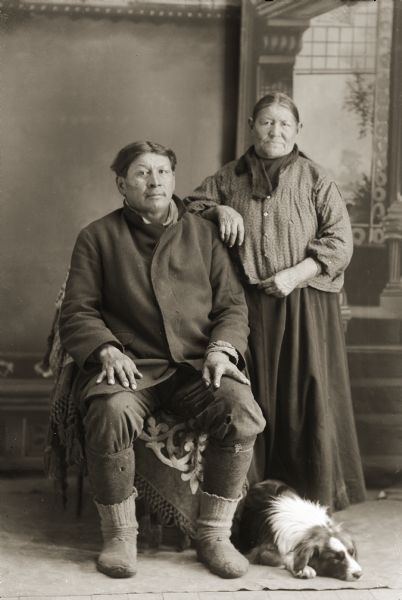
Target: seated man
{"points": [[155, 317]]}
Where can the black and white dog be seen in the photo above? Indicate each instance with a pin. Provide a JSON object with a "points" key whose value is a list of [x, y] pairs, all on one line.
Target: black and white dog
{"points": [[279, 528]]}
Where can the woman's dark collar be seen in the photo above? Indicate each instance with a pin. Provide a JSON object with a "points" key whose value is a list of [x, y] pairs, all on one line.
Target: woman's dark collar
{"points": [[242, 164]]}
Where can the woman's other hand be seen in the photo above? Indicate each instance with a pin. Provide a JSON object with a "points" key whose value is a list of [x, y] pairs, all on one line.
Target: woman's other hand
{"points": [[231, 225], [281, 284], [116, 363], [284, 282]]}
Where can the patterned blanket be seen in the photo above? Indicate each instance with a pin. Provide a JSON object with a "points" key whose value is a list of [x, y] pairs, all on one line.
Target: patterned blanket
{"points": [[168, 453]]}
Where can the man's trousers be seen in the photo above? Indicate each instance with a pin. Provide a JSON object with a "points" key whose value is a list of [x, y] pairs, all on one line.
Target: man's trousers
{"points": [[229, 415]]}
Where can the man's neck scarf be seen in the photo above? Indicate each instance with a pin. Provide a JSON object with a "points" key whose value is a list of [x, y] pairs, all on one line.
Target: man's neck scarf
{"points": [[133, 215]]}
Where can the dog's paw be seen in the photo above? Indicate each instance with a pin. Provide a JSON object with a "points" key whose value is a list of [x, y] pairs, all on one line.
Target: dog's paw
{"points": [[306, 573], [265, 554]]}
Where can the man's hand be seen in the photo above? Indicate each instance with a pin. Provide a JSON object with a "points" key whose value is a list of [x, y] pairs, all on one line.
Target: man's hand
{"points": [[114, 362], [217, 364], [231, 225]]}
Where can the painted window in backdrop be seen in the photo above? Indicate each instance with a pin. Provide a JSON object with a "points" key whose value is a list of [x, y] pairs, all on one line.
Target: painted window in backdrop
{"points": [[341, 86]]}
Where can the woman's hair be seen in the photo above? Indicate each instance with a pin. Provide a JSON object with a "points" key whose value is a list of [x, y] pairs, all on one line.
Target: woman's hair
{"points": [[129, 153], [276, 98]]}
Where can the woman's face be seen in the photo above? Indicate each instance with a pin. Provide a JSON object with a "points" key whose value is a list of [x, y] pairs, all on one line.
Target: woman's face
{"points": [[274, 131]]}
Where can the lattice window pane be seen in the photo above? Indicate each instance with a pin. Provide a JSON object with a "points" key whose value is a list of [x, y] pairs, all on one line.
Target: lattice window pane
{"points": [[307, 49], [305, 62], [370, 63], [333, 34], [319, 49], [319, 34], [343, 39], [308, 36], [332, 62], [333, 50], [346, 35], [318, 62]]}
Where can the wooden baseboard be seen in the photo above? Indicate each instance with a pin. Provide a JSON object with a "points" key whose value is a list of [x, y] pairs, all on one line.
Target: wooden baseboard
{"points": [[24, 414]]}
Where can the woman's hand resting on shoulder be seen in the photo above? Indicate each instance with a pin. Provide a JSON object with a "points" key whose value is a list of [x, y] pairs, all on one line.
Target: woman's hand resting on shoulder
{"points": [[231, 225], [116, 363]]}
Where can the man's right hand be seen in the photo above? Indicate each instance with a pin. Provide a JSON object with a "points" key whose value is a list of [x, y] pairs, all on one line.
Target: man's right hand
{"points": [[116, 363], [231, 225]]}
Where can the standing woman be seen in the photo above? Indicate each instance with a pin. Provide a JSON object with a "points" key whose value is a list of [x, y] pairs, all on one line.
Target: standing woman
{"points": [[290, 235]]}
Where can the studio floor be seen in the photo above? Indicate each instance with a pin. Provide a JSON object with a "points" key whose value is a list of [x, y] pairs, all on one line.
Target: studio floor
{"points": [[47, 552]]}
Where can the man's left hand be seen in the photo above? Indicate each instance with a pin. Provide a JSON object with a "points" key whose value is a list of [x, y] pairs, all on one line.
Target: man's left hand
{"points": [[218, 364]]}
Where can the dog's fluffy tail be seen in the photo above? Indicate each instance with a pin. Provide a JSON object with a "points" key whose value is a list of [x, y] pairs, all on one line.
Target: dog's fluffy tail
{"points": [[260, 494], [253, 516]]}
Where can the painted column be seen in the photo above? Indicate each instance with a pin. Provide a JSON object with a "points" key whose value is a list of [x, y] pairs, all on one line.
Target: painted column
{"points": [[391, 297], [269, 46]]}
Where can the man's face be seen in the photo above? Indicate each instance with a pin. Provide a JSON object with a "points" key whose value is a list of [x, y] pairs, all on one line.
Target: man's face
{"points": [[149, 186], [274, 131]]}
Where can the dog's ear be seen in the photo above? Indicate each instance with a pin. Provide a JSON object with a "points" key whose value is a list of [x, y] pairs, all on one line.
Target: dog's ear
{"points": [[347, 540], [350, 544], [304, 552], [354, 550]]}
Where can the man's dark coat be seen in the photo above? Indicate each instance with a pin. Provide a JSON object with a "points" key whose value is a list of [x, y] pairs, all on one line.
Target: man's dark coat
{"points": [[160, 294]]}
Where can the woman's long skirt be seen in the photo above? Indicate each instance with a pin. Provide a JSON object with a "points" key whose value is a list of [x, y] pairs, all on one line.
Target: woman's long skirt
{"points": [[300, 378]]}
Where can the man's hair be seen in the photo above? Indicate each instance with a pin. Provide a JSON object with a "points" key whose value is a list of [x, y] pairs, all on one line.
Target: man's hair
{"points": [[129, 153]]}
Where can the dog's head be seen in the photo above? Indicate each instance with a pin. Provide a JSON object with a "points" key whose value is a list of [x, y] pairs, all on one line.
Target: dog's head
{"points": [[331, 553]]}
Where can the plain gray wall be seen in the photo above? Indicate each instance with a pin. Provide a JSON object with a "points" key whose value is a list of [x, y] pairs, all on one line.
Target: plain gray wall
{"points": [[74, 91]]}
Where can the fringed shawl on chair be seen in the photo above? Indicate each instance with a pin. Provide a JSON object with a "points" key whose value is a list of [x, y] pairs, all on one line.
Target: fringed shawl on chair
{"points": [[168, 453]]}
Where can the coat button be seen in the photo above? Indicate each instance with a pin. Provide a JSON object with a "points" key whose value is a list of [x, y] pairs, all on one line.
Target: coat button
{"points": [[268, 197], [265, 214]]}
